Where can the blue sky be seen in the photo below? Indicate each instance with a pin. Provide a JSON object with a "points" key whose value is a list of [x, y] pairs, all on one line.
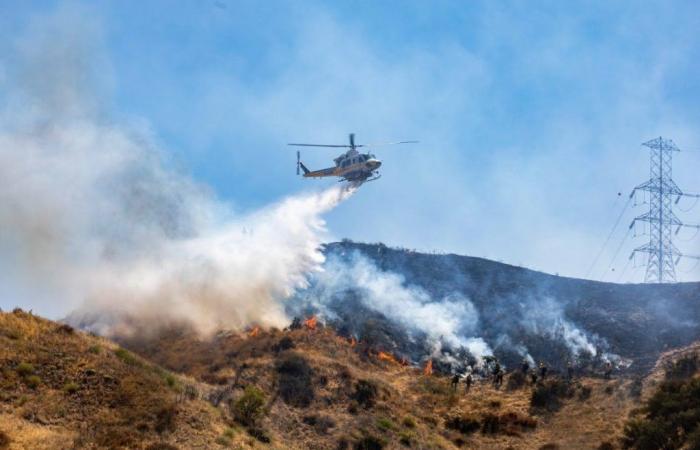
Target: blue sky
{"points": [[530, 114]]}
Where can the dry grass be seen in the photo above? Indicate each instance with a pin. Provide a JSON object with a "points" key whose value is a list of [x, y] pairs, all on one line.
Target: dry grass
{"points": [[126, 400]]}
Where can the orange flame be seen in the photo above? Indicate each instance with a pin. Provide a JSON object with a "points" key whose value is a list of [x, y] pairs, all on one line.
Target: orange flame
{"points": [[254, 332], [310, 323], [387, 357], [353, 342], [428, 369]]}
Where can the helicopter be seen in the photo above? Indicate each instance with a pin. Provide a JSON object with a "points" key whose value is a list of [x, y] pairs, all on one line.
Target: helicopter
{"points": [[351, 166]]}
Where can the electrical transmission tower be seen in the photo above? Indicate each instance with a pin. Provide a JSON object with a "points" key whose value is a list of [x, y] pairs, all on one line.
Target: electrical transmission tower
{"points": [[663, 256]]}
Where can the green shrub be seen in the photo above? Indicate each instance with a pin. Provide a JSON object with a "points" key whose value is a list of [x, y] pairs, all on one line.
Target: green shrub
{"points": [[385, 424], [250, 407], [126, 356], [24, 369], [671, 418], [684, 368], [95, 349], [33, 381], [409, 422], [70, 388], [406, 439]]}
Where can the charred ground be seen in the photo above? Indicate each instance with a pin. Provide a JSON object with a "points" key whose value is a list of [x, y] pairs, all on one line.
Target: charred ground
{"points": [[635, 321]]}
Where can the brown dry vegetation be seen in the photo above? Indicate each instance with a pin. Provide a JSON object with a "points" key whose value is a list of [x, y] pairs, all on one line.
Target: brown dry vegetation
{"points": [[61, 388], [297, 389]]}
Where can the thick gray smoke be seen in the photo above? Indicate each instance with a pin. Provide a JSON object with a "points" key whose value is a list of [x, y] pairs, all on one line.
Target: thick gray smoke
{"points": [[93, 218]]}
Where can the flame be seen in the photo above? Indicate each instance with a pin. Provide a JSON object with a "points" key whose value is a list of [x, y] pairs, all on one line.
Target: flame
{"points": [[387, 357], [353, 342], [428, 369], [310, 323], [254, 332]]}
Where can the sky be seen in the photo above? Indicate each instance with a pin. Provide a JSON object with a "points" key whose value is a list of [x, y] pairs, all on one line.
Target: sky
{"points": [[530, 115]]}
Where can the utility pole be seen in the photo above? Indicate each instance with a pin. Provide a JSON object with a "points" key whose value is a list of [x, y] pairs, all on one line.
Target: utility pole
{"points": [[663, 256]]}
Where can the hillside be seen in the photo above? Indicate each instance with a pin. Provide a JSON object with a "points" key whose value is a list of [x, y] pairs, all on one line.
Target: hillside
{"points": [[305, 387], [534, 310], [325, 392], [61, 388]]}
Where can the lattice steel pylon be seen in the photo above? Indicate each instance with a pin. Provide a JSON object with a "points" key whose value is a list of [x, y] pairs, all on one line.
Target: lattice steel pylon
{"points": [[662, 253]]}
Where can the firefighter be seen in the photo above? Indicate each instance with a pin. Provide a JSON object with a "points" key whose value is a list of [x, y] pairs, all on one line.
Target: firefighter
{"points": [[570, 371], [543, 370], [525, 367], [468, 382], [455, 381], [533, 376], [499, 379], [608, 370]]}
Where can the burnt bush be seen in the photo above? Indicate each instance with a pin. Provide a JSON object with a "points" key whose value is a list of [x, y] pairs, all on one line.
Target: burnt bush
{"points": [[260, 434], [683, 368], [286, 343], [510, 423], [585, 393], [4, 440], [165, 419], [161, 446], [321, 424], [549, 394], [463, 424], [671, 418], [365, 393], [606, 446], [65, 329], [516, 380], [294, 379], [369, 442]]}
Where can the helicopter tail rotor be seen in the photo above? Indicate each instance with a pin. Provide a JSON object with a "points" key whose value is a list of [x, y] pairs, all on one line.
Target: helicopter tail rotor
{"points": [[298, 161]]}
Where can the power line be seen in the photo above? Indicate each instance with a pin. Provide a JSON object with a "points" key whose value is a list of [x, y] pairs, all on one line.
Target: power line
{"points": [[607, 240], [617, 252]]}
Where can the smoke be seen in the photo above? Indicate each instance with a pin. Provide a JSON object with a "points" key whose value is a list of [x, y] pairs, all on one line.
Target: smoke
{"points": [[93, 216], [451, 321], [352, 290]]}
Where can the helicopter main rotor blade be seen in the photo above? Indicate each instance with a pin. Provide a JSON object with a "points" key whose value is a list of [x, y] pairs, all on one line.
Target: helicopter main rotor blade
{"points": [[322, 145], [388, 143]]}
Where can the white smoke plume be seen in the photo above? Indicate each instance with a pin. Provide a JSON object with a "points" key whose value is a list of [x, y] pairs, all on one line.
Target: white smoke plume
{"points": [[452, 320], [546, 318], [92, 215]]}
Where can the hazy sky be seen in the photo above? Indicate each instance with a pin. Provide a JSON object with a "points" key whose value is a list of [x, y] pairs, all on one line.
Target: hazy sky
{"points": [[530, 114]]}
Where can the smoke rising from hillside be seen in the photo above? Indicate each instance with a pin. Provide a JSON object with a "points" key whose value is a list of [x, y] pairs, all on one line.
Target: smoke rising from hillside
{"points": [[528, 326], [452, 320], [94, 217]]}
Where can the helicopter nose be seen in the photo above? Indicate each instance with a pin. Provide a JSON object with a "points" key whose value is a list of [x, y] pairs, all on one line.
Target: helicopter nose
{"points": [[374, 164]]}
